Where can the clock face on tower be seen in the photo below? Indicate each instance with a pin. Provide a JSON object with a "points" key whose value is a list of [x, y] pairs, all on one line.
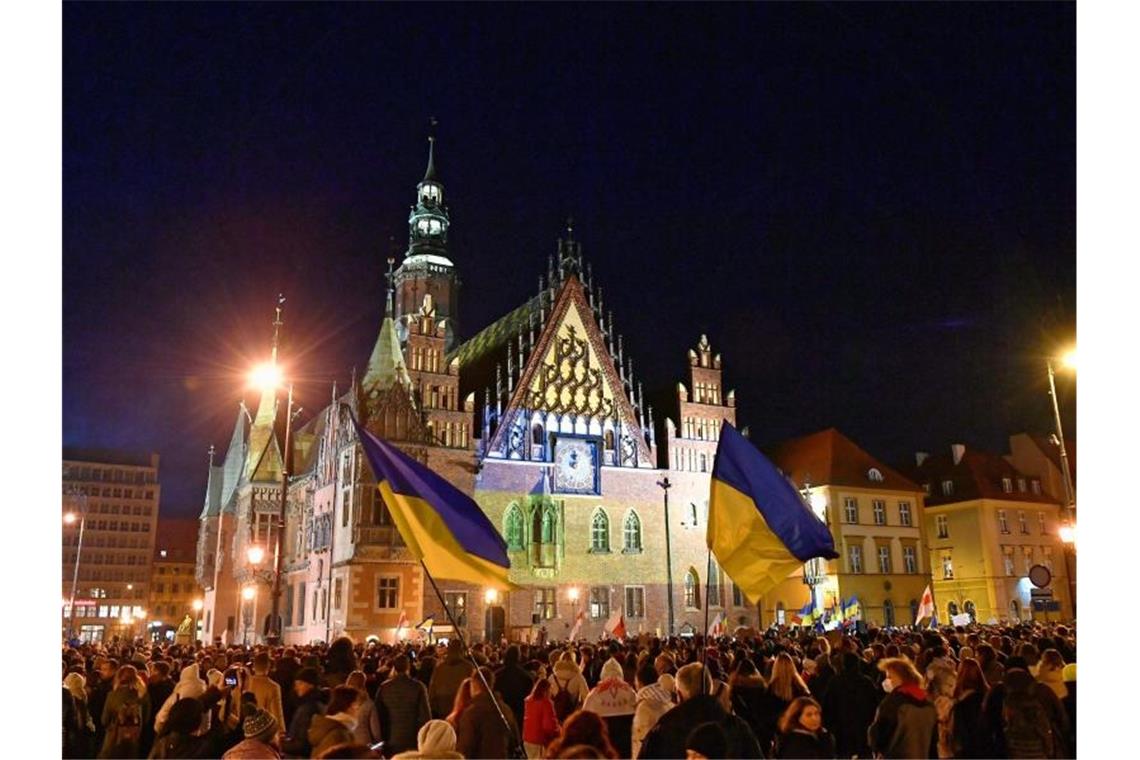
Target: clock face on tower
{"points": [[576, 465]]}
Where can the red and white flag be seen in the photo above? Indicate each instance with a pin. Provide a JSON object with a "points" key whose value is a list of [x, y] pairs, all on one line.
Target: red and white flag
{"points": [[717, 627], [926, 606], [401, 623], [577, 624], [615, 626]]}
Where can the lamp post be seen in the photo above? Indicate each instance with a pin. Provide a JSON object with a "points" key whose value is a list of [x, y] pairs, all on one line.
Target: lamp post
{"points": [[197, 605], [1068, 532], [665, 486], [247, 595], [69, 518]]}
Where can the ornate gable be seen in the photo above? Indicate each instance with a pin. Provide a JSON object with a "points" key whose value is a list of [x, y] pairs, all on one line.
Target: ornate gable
{"points": [[570, 384]]}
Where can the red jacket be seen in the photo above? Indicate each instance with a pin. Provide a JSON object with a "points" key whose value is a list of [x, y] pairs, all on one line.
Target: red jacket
{"points": [[540, 724]]}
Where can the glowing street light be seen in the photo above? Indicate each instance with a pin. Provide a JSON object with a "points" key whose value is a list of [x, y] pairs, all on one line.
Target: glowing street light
{"points": [[1068, 533], [255, 554], [573, 593], [197, 605], [69, 517], [490, 596], [248, 593], [1069, 360], [266, 377]]}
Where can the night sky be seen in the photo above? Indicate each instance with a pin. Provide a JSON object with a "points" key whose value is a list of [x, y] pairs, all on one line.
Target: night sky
{"points": [[870, 209]]}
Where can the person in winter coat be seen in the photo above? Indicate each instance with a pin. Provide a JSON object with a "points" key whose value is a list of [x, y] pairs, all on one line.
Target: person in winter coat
{"points": [[368, 730], [567, 677], [967, 739], [159, 686], [436, 739], [906, 723], [404, 707], [126, 709], [748, 694], [667, 739], [654, 699], [583, 729], [99, 687], [338, 722], [189, 686], [266, 692], [512, 681], [540, 724], [84, 730], [178, 738], [481, 732], [260, 730], [446, 679], [296, 741], [849, 706], [1033, 720], [615, 701], [1050, 671], [801, 732]]}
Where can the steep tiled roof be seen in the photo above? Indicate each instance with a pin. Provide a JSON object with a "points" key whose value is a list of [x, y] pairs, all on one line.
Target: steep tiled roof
{"points": [[977, 475], [831, 458]]}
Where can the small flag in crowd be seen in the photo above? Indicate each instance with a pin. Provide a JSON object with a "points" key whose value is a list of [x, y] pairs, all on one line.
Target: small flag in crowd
{"points": [[759, 527], [717, 627], [851, 608], [926, 606], [427, 624], [403, 621], [577, 624], [807, 615], [615, 626]]}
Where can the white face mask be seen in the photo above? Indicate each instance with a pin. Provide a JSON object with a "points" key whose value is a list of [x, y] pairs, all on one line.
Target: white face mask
{"points": [[888, 685]]}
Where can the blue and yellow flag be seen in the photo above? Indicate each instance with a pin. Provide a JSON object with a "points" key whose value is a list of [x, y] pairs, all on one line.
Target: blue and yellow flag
{"points": [[807, 615], [851, 608], [427, 624], [759, 527], [441, 525]]}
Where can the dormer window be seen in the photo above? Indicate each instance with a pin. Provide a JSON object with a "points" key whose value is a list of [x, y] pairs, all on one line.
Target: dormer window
{"points": [[947, 487], [430, 192], [434, 226], [875, 475], [1007, 485]]}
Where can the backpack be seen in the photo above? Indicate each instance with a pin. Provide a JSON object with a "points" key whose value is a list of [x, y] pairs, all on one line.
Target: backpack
{"points": [[1026, 726], [128, 723], [564, 702]]}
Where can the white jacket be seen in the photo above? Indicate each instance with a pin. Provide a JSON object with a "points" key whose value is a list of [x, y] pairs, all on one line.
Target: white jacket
{"points": [[566, 672], [189, 686], [653, 701]]}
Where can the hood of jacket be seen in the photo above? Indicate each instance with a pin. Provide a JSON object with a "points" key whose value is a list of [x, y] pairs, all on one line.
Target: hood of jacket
{"points": [[323, 725], [612, 669], [912, 692], [655, 693], [565, 670]]}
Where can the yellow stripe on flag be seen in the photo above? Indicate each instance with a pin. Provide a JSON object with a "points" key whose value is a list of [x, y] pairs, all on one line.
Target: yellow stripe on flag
{"points": [[428, 538], [746, 548]]}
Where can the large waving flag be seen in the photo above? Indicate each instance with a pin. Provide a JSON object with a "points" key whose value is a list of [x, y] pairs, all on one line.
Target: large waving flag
{"points": [[440, 524], [577, 624], [717, 626], [926, 606], [758, 525], [615, 626], [807, 614]]}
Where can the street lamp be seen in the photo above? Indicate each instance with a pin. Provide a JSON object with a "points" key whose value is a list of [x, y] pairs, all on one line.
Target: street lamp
{"points": [[1069, 360], [270, 377], [69, 518], [255, 554], [490, 596], [573, 594], [247, 593], [665, 486]]}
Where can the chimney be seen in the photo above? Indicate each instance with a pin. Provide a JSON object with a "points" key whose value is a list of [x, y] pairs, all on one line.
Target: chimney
{"points": [[958, 449], [920, 457]]}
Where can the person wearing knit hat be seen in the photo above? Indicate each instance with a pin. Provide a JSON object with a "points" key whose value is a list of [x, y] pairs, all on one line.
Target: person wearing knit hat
{"points": [[260, 731], [436, 738], [308, 705], [615, 701]]}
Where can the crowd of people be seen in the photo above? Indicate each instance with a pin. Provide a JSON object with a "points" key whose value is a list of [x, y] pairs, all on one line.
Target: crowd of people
{"points": [[964, 692]]}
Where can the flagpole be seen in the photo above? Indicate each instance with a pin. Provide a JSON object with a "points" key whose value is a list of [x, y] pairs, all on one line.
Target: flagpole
{"points": [[708, 603], [517, 746]]}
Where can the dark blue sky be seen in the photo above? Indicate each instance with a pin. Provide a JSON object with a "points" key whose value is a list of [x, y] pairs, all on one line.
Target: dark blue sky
{"points": [[870, 208]]}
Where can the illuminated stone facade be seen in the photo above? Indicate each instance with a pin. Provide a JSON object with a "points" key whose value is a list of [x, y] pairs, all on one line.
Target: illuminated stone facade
{"points": [[539, 416]]}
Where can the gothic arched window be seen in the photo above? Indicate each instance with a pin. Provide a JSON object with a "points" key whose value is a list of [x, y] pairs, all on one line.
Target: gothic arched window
{"points": [[600, 532], [632, 531], [692, 589], [714, 585], [888, 612], [547, 527], [513, 528]]}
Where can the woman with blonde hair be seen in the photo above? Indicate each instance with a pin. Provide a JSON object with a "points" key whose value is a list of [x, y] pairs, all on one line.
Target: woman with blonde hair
{"points": [[1050, 672], [786, 683], [903, 733]]}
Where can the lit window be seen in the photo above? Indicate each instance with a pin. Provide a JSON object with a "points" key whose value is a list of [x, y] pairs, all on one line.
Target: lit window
{"points": [[850, 509], [1007, 485], [1035, 485], [544, 603], [600, 532], [885, 559], [910, 559], [1021, 484], [947, 567], [875, 475], [1022, 524], [855, 559], [1007, 558], [388, 593], [947, 487], [943, 523], [692, 590], [635, 601], [1003, 523], [514, 528], [599, 603], [879, 509], [904, 513]]}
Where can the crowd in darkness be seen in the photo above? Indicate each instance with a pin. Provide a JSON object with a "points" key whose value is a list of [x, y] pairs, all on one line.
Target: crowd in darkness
{"points": [[964, 692]]}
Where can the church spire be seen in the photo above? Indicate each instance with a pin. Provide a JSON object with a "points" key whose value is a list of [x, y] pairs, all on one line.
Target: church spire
{"points": [[430, 175]]}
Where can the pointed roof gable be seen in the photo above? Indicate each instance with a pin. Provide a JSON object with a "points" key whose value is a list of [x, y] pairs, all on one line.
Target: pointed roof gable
{"points": [[572, 371], [386, 365], [829, 458], [212, 504], [234, 464]]}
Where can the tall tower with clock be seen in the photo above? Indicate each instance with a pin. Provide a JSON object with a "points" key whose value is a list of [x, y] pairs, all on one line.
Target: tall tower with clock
{"points": [[427, 269]]}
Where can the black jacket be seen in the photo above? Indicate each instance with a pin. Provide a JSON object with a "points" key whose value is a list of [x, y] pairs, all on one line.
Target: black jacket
{"points": [[848, 708], [404, 707], [967, 729], [803, 744], [667, 738], [514, 684], [905, 726], [297, 741]]}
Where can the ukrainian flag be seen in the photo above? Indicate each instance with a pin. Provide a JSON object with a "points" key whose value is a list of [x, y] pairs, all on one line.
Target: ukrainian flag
{"points": [[851, 608], [807, 614], [758, 525], [427, 624], [441, 525]]}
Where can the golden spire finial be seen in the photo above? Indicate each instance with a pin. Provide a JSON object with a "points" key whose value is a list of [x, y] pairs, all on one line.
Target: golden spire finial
{"points": [[277, 324]]}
